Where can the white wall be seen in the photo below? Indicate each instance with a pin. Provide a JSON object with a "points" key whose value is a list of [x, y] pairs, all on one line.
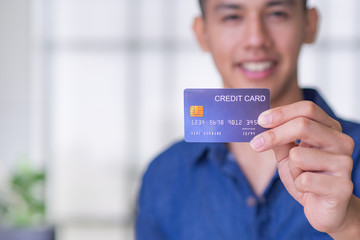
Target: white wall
{"points": [[14, 80]]}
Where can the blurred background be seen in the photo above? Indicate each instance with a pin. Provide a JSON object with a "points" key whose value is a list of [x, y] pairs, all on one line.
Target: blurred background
{"points": [[91, 91]]}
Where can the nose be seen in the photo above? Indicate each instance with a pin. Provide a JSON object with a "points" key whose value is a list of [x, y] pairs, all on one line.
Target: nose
{"points": [[256, 35]]}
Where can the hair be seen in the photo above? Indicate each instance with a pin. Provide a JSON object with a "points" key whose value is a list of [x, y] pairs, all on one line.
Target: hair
{"points": [[202, 7], [202, 4]]}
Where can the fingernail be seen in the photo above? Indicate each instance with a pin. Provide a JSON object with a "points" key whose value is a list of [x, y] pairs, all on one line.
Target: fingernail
{"points": [[257, 143], [265, 119]]}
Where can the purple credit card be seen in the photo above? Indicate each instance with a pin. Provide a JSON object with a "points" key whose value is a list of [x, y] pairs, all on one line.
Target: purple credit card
{"points": [[224, 115]]}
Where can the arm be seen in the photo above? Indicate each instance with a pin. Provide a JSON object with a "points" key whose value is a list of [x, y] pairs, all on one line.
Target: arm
{"points": [[146, 226], [316, 171]]}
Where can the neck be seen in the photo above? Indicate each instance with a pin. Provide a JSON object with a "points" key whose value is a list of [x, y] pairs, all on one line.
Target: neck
{"points": [[286, 95]]}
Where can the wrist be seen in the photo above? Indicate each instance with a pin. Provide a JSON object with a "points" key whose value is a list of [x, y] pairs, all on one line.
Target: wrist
{"points": [[351, 226]]}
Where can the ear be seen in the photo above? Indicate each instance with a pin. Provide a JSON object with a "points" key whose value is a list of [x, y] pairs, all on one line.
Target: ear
{"points": [[312, 19], [199, 29]]}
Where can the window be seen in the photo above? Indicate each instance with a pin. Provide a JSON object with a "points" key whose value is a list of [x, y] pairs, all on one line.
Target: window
{"points": [[107, 83]]}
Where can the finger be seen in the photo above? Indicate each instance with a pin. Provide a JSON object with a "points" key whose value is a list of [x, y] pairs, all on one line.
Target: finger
{"points": [[308, 131], [277, 116], [314, 160], [282, 152], [324, 185], [287, 180]]}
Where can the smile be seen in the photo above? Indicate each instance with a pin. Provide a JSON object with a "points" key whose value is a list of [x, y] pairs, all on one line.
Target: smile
{"points": [[257, 70], [258, 66]]}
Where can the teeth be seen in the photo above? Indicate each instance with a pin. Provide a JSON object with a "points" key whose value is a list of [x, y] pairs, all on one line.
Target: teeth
{"points": [[258, 66]]}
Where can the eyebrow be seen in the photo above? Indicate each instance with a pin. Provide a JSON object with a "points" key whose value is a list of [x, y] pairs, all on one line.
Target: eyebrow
{"points": [[225, 6], [235, 6], [280, 2]]}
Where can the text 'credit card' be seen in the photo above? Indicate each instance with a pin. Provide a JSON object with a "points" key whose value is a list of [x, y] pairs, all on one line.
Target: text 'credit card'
{"points": [[224, 115]]}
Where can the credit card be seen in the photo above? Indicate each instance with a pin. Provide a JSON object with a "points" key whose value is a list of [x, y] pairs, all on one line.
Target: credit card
{"points": [[224, 115]]}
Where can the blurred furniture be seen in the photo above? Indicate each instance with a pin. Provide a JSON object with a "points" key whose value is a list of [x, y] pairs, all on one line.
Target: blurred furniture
{"points": [[45, 233]]}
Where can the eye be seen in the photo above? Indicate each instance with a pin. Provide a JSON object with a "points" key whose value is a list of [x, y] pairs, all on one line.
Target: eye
{"points": [[232, 17], [279, 15]]}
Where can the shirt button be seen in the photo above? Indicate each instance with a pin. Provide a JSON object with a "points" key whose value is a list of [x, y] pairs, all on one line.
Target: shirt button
{"points": [[251, 201]]}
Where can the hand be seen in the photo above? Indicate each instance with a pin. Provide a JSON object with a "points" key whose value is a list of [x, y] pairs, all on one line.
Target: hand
{"points": [[317, 170]]}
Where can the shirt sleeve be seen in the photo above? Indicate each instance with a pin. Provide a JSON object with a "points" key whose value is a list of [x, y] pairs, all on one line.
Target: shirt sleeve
{"points": [[356, 175], [356, 159], [147, 226]]}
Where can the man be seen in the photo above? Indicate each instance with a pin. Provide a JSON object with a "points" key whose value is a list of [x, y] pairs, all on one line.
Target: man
{"points": [[276, 187]]}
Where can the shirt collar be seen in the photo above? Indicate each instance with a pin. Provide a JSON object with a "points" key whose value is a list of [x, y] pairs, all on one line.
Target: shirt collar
{"points": [[199, 152]]}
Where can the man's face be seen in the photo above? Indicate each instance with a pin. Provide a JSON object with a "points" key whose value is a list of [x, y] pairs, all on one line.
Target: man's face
{"points": [[255, 43]]}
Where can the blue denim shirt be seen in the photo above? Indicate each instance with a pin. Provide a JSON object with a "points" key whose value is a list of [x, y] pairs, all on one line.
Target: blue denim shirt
{"points": [[197, 191]]}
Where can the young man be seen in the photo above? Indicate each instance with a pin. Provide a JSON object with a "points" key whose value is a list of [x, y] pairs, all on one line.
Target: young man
{"points": [[274, 187]]}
